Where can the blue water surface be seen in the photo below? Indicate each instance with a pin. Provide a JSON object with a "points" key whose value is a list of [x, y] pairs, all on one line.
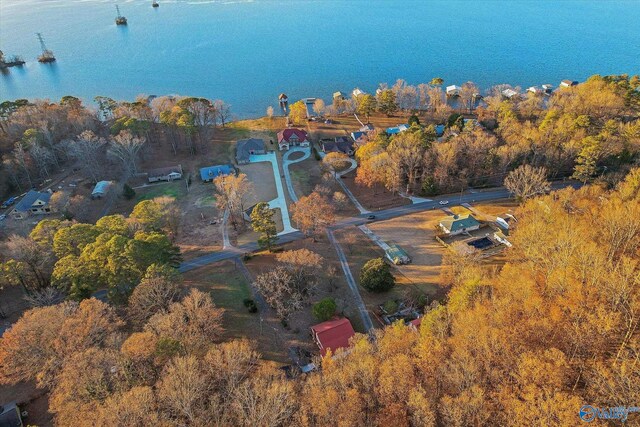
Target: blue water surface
{"points": [[247, 52]]}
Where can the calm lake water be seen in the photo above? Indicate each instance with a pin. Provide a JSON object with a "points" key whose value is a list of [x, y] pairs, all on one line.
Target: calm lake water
{"points": [[247, 52]]}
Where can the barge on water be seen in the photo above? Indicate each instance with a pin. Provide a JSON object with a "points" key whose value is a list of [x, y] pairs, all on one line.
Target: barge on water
{"points": [[46, 56], [120, 20]]}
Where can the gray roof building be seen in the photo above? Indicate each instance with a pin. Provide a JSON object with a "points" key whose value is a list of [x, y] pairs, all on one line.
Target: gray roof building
{"points": [[247, 147]]}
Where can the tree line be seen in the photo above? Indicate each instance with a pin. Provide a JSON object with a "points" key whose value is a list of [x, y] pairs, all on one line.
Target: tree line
{"points": [[529, 344], [39, 138], [587, 132]]}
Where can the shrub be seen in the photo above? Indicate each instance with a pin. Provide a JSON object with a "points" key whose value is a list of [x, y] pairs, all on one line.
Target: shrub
{"points": [[251, 305], [376, 276], [316, 155], [390, 306], [324, 309], [128, 192]]}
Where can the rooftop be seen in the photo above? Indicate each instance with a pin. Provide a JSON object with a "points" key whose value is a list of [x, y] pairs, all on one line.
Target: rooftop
{"points": [[30, 198], [457, 222], [211, 172], [333, 334], [165, 171], [244, 147]]}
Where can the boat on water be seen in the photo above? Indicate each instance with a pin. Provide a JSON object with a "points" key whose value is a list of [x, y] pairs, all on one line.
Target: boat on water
{"points": [[155, 4]]}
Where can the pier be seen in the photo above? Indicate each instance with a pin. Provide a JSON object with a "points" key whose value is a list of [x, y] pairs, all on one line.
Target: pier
{"points": [[14, 61]]}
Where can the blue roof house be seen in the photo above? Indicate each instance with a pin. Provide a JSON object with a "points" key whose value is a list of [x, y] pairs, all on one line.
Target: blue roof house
{"points": [[398, 129], [439, 130], [211, 172], [33, 203]]}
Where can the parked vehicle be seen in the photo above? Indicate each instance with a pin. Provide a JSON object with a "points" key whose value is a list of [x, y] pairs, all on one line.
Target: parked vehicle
{"points": [[8, 202], [371, 217], [444, 202]]}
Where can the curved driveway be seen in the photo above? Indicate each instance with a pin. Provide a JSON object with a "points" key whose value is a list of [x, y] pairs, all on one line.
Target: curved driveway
{"points": [[285, 167]]}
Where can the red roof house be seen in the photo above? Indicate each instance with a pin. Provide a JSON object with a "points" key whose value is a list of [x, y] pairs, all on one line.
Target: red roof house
{"points": [[292, 137], [332, 334]]}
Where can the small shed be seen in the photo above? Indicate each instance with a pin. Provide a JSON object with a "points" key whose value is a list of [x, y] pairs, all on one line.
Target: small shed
{"points": [[211, 172], [397, 255], [100, 189]]}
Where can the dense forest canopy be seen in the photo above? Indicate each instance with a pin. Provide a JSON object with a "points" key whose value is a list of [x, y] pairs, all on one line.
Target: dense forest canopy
{"points": [[556, 327]]}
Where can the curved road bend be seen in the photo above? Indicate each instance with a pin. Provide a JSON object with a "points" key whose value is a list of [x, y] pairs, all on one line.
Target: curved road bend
{"points": [[481, 196]]}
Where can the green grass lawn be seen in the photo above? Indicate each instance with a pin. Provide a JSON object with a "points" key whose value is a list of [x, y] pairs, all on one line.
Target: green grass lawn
{"points": [[177, 190]]}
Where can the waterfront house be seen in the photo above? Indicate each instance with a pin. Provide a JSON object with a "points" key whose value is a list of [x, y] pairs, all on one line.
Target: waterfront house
{"points": [[33, 203], [367, 128], [535, 90], [211, 172], [338, 96], [568, 83], [246, 147], [100, 189], [292, 137], [340, 144], [453, 90], [169, 173], [547, 88], [509, 93], [357, 92], [456, 224], [332, 334]]}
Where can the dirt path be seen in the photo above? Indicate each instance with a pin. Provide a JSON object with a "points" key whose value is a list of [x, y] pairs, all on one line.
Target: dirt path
{"points": [[362, 309]]}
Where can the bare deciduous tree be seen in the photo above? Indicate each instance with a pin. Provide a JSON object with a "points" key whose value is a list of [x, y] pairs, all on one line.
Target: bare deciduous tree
{"points": [[125, 148], [86, 148], [526, 182]]}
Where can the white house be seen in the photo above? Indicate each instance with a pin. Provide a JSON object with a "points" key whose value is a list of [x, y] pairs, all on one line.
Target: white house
{"points": [[509, 93], [453, 90], [357, 92]]}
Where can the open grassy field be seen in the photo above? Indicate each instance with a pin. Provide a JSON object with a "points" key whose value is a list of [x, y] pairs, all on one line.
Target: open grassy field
{"points": [[228, 289], [175, 189]]}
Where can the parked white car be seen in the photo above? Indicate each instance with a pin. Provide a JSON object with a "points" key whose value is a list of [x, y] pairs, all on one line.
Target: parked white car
{"points": [[444, 202]]}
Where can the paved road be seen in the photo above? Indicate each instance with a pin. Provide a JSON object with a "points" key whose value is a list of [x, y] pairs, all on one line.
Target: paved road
{"points": [[457, 199], [285, 167], [353, 286]]}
